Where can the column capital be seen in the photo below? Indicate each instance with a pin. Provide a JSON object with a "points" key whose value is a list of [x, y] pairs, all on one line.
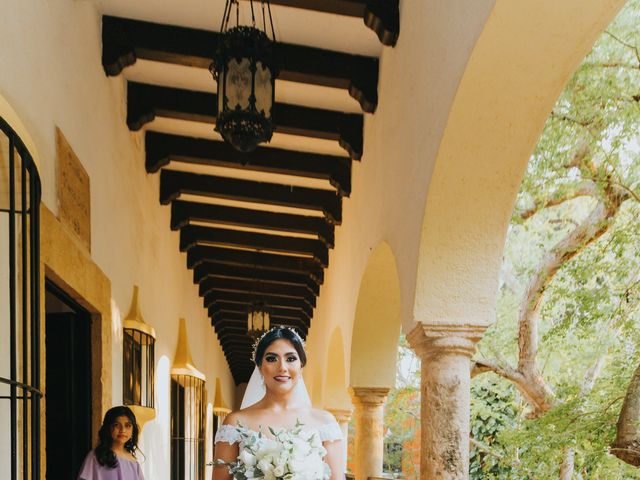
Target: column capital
{"points": [[342, 415], [428, 339], [369, 395]]}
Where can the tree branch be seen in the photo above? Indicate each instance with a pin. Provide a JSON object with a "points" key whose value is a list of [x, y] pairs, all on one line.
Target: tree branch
{"points": [[585, 189], [626, 44], [505, 371], [567, 118], [610, 65], [567, 466], [482, 447], [591, 228]]}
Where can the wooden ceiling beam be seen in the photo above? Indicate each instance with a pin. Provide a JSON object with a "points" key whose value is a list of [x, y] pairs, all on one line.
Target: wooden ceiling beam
{"points": [[249, 286], [381, 16], [216, 270], [174, 183], [163, 148], [182, 213], [125, 40], [281, 314], [306, 304], [193, 235], [223, 327], [258, 260], [296, 307], [146, 102]]}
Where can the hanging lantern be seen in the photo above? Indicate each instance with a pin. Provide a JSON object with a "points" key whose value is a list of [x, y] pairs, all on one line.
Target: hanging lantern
{"points": [[245, 71], [258, 319]]}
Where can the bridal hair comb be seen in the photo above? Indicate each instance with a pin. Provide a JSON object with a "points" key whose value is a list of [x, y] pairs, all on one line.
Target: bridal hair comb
{"points": [[282, 327]]}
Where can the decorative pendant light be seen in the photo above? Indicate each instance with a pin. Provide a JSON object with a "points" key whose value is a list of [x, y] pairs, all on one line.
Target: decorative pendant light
{"points": [[258, 319], [245, 71]]}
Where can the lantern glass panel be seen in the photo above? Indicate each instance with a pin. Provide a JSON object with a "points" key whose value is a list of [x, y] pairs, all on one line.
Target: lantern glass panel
{"points": [[263, 90], [220, 94], [238, 84]]}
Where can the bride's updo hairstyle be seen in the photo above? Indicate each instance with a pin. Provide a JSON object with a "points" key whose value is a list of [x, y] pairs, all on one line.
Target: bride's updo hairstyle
{"points": [[278, 333]]}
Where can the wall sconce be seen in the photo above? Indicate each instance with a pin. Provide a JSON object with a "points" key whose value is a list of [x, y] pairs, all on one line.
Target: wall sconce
{"points": [[138, 363]]}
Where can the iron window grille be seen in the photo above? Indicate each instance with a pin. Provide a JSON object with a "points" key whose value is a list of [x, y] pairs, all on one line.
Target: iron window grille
{"points": [[20, 393], [188, 422], [138, 366]]}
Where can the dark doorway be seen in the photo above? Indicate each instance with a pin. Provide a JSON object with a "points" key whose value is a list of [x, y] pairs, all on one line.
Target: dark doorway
{"points": [[68, 384]]}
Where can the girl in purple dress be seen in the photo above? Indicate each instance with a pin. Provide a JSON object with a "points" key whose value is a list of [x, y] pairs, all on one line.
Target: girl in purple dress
{"points": [[115, 456]]}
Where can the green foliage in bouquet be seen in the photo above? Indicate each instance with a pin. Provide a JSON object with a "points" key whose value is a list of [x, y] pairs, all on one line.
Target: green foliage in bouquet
{"points": [[291, 454]]}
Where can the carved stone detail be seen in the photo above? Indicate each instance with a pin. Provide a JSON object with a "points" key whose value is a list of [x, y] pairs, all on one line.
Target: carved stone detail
{"points": [[74, 191]]}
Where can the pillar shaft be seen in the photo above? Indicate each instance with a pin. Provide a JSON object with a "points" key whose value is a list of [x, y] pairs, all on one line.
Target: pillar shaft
{"points": [[369, 423], [445, 351]]}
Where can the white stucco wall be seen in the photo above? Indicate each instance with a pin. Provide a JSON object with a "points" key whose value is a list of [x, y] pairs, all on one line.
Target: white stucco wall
{"points": [[51, 75]]}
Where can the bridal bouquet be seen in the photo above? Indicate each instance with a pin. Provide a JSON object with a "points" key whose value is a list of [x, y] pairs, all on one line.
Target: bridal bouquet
{"points": [[293, 454]]}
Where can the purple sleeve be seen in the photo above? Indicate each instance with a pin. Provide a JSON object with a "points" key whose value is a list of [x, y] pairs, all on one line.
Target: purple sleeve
{"points": [[88, 470], [140, 475]]}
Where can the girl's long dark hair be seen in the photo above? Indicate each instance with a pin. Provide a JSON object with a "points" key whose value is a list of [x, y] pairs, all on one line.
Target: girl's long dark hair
{"points": [[104, 454]]}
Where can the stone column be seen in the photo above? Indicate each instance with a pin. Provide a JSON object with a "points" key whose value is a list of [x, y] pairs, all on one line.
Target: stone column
{"points": [[445, 351], [369, 448], [342, 417]]}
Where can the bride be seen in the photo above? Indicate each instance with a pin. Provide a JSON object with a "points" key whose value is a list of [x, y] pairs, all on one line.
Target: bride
{"points": [[276, 400]]}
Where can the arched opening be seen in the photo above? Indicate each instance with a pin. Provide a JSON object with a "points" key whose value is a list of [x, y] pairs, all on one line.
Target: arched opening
{"points": [[376, 328], [569, 284], [374, 346], [518, 67]]}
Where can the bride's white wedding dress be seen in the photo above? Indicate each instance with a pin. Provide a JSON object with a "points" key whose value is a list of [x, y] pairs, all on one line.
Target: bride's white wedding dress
{"points": [[306, 462], [329, 432], [309, 464]]}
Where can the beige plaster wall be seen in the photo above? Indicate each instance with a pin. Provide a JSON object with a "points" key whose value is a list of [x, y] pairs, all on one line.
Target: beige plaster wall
{"points": [[50, 54], [335, 389]]}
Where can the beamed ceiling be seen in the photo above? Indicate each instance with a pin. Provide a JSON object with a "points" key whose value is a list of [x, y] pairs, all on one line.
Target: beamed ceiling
{"points": [[255, 226]]}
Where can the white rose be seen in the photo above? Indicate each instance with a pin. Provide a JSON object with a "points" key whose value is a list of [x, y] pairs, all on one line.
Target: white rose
{"points": [[247, 458], [278, 471], [265, 466]]}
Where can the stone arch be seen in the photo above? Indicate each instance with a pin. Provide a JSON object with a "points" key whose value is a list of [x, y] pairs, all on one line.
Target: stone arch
{"points": [[335, 384], [376, 327], [519, 65]]}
